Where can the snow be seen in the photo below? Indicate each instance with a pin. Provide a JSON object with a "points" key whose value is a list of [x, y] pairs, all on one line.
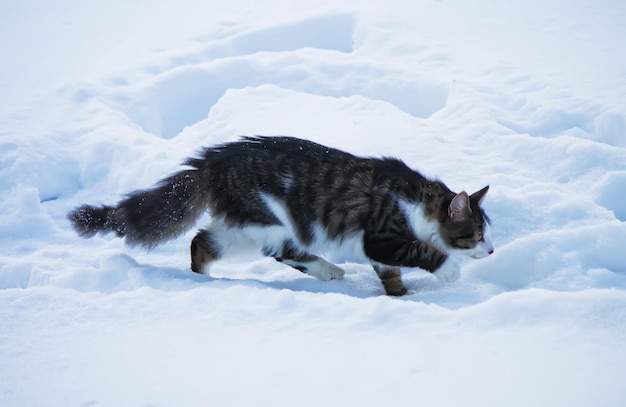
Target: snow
{"points": [[526, 96]]}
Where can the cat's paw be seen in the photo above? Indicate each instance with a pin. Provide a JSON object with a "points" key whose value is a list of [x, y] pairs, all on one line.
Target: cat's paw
{"points": [[448, 272], [335, 273], [324, 270]]}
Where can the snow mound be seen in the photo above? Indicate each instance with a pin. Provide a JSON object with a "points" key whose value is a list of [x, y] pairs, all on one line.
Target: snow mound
{"points": [[101, 107]]}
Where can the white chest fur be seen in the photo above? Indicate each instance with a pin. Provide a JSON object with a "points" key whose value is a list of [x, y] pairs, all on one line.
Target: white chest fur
{"points": [[427, 230]]}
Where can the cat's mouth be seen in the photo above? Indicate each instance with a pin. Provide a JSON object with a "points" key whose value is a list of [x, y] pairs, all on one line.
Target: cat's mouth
{"points": [[482, 255]]}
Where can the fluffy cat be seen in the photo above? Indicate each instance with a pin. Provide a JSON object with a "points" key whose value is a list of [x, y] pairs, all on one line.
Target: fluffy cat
{"points": [[293, 199]]}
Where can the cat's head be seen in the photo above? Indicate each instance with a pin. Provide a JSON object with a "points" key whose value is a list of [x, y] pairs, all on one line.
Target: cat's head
{"points": [[465, 228]]}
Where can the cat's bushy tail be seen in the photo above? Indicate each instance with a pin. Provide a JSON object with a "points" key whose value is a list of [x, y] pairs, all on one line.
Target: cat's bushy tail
{"points": [[148, 217]]}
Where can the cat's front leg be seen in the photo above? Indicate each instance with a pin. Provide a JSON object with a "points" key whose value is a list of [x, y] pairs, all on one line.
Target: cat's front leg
{"points": [[397, 250], [391, 279]]}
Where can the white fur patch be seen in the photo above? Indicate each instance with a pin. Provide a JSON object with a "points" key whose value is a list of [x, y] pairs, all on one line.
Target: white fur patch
{"points": [[233, 241], [425, 229], [350, 248], [448, 272]]}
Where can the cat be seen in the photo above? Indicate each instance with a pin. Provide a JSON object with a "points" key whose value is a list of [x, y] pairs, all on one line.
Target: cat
{"points": [[293, 199]]}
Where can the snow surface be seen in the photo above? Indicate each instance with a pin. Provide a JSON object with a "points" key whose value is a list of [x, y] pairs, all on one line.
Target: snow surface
{"points": [[526, 96]]}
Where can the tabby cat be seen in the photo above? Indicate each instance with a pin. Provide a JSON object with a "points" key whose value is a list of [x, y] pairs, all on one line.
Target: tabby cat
{"points": [[293, 199]]}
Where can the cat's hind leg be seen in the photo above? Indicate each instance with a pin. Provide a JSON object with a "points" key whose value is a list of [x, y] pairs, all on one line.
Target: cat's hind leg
{"points": [[305, 262], [391, 279], [204, 250]]}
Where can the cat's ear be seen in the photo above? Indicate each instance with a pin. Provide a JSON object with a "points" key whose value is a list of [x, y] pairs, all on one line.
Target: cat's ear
{"points": [[479, 196], [459, 208]]}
